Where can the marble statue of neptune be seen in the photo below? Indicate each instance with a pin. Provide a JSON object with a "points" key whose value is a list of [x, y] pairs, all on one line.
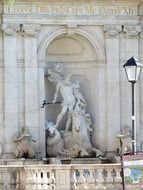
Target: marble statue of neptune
{"points": [[66, 89]]}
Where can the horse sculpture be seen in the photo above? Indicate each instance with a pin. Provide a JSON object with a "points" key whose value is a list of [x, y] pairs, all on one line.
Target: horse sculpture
{"points": [[81, 130], [61, 145]]}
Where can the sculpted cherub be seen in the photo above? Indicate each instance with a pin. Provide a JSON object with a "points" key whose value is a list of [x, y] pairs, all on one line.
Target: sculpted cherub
{"points": [[24, 150], [125, 141]]}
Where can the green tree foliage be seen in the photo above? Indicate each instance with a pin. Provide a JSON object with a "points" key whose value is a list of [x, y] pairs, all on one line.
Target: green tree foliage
{"points": [[10, 2]]}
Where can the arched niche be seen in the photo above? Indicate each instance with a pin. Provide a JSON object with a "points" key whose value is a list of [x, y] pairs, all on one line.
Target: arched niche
{"points": [[55, 32], [70, 49], [78, 56]]}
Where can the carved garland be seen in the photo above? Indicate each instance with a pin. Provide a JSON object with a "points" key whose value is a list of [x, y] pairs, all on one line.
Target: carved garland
{"points": [[27, 30]]}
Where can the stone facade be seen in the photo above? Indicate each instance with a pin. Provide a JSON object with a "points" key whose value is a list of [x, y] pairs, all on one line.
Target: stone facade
{"points": [[93, 40]]}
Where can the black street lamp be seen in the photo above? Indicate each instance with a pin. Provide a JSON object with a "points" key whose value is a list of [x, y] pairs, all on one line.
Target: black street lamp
{"points": [[133, 68]]}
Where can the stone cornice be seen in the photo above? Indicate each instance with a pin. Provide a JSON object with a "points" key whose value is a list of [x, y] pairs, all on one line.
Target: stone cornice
{"points": [[137, 2], [112, 31]]}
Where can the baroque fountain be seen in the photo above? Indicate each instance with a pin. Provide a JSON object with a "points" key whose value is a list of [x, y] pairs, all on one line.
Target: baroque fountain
{"points": [[72, 162]]}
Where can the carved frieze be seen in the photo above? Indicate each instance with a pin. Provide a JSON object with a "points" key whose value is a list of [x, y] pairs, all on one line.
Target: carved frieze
{"points": [[67, 9]]}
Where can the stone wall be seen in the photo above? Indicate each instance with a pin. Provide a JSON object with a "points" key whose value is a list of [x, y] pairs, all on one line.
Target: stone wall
{"points": [[99, 36]]}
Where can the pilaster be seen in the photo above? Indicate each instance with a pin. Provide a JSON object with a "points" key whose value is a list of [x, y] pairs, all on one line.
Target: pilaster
{"points": [[129, 46], [10, 85], [141, 86], [1, 92], [41, 94], [32, 104], [112, 84]]}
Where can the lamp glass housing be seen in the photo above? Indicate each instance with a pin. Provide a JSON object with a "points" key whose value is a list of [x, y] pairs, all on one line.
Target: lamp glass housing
{"points": [[133, 73], [132, 68]]}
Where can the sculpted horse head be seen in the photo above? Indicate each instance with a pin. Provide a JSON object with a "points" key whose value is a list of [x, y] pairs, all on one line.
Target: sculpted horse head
{"points": [[81, 121]]}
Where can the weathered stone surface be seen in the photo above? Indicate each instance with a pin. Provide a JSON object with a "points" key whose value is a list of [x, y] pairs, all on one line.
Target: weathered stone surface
{"points": [[93, 40]]}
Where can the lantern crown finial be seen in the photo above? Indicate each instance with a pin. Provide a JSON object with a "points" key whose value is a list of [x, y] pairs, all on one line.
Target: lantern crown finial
{"points": [[133, 62]]}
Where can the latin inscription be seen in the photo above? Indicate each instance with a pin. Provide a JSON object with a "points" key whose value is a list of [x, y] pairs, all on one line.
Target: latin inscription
{"points": [[74, 9]]}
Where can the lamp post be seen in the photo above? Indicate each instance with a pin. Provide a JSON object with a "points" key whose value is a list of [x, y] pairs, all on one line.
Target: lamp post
{"points": [[133, 68]]}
